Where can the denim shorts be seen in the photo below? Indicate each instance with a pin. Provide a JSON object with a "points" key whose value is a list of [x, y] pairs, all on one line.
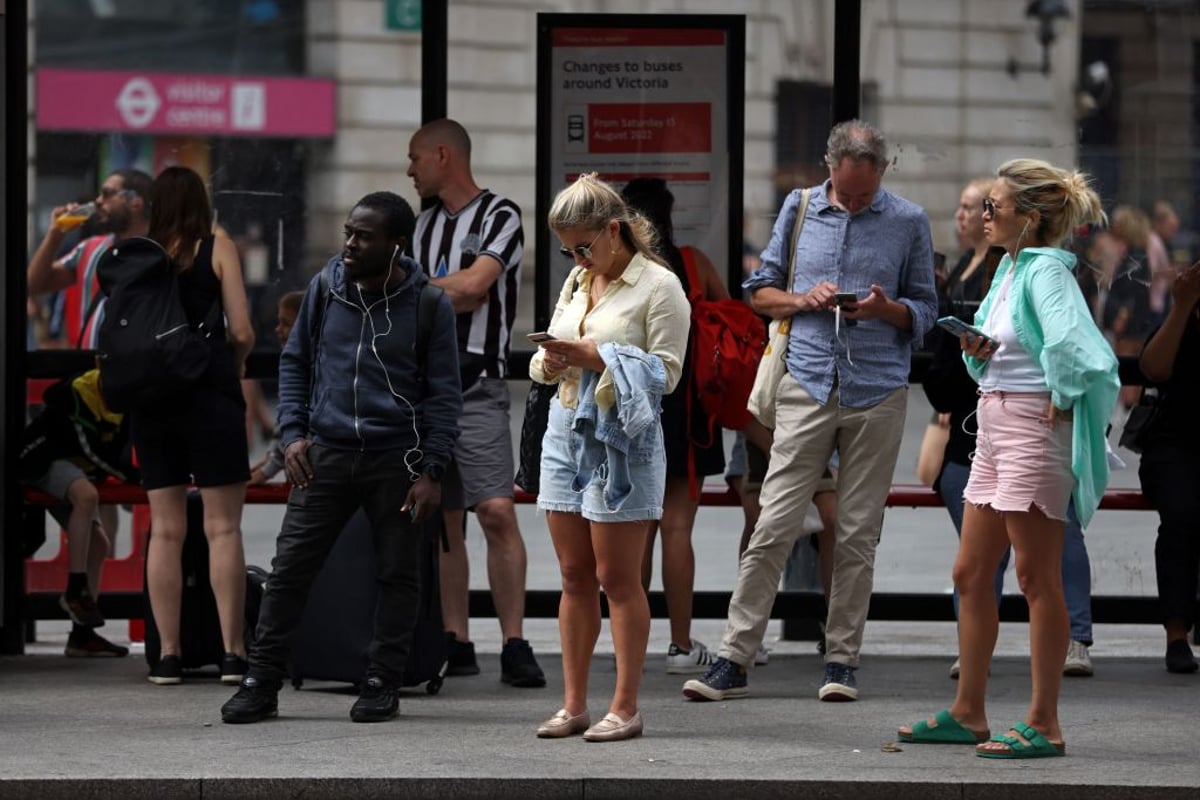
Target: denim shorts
{"points": [[560, 450], [1020, 461]]}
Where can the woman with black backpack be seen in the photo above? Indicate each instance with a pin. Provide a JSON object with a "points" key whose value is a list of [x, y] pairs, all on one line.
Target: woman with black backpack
{"points": [[198, 436]]}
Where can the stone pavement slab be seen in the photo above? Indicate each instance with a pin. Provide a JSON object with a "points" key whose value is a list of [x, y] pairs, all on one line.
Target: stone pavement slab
{"points": [[97, 729]]}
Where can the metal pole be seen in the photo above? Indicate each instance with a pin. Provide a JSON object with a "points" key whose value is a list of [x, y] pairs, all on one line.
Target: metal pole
{"points": [[434, 43], [847, 46]]}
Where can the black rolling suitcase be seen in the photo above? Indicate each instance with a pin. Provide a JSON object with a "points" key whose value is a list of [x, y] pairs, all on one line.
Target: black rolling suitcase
{"points": [[335, 631], [199, 626]]}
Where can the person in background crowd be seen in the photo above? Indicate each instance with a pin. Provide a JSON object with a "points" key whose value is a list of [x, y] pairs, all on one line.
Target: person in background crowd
{"points": [[1048, 383], [272, 463], [1127, 312], [845, 390], [122, 212], [470, 244], [1170, 464], [692, 450], [620, 330], [199, 437]]}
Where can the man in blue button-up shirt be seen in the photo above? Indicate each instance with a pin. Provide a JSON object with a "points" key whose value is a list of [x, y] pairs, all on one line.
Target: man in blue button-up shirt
{"points": [[845, 390]]}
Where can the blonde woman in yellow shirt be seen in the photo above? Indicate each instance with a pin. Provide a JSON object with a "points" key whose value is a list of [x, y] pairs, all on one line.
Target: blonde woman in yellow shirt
{"points": [[619, 329]]}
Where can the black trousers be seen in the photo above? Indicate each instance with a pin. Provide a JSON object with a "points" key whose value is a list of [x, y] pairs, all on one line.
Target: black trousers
{"points": [[1170, 477], [344, 481]]}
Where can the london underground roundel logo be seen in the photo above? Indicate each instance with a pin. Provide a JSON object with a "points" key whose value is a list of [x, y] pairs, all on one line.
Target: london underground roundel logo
{"points": [[138, 102]]}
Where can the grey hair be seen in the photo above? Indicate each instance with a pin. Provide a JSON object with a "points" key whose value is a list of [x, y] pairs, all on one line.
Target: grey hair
{"points": [[590, 203], [857, 141], [1063, 198]]}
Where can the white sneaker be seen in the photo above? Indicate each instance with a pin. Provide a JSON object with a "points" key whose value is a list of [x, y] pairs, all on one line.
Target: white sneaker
{"points": [[1078, 663], [954, 669], [761, 656], [696, 660]]}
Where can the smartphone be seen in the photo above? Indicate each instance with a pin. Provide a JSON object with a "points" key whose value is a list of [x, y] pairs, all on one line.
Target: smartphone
{"points": [[957, 327], [841, 298], [537, 337]]}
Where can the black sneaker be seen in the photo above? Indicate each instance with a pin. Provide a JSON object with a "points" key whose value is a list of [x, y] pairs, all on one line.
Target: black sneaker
{"points": [[167, 672], [233, 669], [1180, 658], [254, 701], [518, 667], [82, 609], [460, 657], [378, 701], [85, 643]]}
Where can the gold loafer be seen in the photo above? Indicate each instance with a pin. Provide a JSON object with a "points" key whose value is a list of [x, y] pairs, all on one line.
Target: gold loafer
{"points": [[563, 724], [613, 729]]}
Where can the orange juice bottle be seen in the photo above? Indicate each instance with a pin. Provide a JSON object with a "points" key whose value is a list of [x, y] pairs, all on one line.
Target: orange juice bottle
{"points": [[75, 217]]}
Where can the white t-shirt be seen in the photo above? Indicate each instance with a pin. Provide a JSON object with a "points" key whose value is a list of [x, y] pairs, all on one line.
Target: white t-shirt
{"points": [[1010, 368]]}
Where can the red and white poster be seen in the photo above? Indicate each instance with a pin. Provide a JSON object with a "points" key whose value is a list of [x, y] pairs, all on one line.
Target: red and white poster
{"points": [[629, 102]]}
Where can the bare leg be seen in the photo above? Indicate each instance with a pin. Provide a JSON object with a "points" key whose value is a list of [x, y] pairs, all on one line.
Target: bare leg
{"points": [[678, 558], [164, 569], [618, 549], [579, 607], [982, 545], [454, 572], [1038, 544], [227, 560], [506, 561], [82, 496], [826, 503]]}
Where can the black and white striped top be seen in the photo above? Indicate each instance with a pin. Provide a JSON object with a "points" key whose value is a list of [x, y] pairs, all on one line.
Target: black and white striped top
{"points": [[445, 243]]}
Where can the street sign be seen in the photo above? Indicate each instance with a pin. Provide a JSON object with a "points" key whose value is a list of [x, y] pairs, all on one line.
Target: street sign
{"points": [[403, 15]]}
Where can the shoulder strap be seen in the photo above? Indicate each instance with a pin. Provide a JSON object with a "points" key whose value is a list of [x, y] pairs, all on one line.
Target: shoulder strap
{"points": [[695, 291], [314, 330], [797, 226], [427, 305]]}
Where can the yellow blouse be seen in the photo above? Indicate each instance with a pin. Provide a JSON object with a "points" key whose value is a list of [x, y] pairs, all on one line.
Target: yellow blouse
{"points": [[645, 307]]}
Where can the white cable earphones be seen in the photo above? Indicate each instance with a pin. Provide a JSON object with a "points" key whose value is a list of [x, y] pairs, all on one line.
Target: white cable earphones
{"points": [[414, 455]]}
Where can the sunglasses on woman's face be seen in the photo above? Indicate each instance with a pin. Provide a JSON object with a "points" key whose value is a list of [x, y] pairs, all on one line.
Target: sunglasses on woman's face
{"points": [[989, 207], [584, 251]]}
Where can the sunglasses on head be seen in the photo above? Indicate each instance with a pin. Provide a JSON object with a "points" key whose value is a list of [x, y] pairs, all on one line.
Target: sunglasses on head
{"points": [[584, 251]]}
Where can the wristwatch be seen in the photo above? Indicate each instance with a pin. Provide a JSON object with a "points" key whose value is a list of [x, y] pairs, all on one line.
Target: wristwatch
{"points": [[435, 472]]}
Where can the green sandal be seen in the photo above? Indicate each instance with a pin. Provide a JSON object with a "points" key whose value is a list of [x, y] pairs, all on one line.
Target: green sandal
{"points": [[948, 730], [1039, 746]]}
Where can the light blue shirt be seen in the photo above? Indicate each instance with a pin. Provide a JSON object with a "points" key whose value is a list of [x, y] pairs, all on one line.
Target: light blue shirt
{"points": [[889, 244]]}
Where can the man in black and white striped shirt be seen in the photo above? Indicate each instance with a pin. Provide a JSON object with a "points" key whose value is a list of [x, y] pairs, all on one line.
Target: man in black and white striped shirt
{"points": [[470, 243]]}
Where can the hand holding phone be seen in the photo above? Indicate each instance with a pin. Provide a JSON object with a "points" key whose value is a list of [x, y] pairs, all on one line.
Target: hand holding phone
{"points": [[841, 299], [957, 327], [537, 337]]}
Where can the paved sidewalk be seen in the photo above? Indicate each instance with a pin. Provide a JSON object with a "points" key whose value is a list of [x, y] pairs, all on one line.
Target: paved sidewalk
{"points": [[97, 729]]}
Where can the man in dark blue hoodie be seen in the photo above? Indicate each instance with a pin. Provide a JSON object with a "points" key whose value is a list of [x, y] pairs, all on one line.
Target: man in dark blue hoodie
{"points": [[367, 422]]}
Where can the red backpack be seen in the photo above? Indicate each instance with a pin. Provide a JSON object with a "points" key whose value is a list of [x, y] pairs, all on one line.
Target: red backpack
{"points": [[727, 342]]}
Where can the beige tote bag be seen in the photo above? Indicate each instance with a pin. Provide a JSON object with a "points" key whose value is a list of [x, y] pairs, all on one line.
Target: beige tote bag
{"points": [[772, 367]]}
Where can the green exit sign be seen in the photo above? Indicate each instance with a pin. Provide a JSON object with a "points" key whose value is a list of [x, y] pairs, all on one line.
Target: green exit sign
{"points": [[403, 15]]}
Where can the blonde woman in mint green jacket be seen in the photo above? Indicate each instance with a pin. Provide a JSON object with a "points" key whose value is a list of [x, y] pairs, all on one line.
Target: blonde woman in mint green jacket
{"points": [[1048, 383]]}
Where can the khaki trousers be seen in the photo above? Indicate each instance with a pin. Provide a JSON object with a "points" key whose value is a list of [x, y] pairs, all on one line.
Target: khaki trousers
{"points": [[806, 435]]}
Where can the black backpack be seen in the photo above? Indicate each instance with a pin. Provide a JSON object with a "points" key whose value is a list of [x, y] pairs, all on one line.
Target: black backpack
{"points": [[148, 349]]}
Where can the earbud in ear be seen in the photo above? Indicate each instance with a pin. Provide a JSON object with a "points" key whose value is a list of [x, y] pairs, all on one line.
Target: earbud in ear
{"points": [[395, 252]]}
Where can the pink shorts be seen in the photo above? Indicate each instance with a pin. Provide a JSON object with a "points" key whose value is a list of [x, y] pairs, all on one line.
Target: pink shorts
{"points": [[1020, 461]]}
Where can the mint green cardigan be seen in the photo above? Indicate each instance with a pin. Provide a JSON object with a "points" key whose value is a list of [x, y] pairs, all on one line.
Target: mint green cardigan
{"points": [[1054, 326]]}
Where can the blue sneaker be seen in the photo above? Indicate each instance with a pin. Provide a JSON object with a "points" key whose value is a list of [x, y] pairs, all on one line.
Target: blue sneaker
{"points": [[839, 685], [724, 679]]}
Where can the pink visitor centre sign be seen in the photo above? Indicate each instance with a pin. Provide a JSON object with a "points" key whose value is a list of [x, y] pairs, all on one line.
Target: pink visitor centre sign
{"points": [[184, 104]]}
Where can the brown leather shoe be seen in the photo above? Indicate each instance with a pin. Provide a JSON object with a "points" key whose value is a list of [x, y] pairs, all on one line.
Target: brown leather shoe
{"points": [[563, 724], [613, 729]]}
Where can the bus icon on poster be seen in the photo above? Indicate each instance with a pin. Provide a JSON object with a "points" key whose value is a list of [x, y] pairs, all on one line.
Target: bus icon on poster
{"points": [[575, 128]]}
